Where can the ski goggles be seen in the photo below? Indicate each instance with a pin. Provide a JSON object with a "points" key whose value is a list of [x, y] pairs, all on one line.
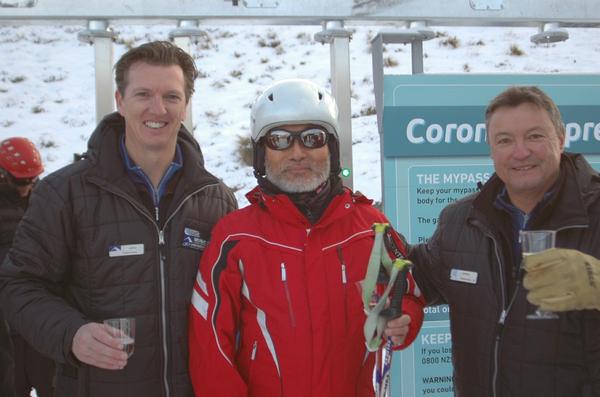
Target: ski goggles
{"points": [[311, 138]]}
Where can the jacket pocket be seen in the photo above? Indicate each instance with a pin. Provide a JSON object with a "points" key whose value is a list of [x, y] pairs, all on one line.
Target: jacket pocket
{"points": [[288, 297]]}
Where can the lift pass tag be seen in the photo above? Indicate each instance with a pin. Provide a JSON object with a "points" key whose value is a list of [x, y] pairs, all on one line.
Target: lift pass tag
{"points": [[463, 276], [125, 250]]}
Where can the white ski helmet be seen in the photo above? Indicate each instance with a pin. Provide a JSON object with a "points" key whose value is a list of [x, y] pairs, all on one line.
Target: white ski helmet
{"points": [[289, 102], [293, 101]]}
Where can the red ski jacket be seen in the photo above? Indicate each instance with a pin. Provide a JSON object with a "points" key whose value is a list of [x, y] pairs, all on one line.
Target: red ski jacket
{"points": [[277, 309]]}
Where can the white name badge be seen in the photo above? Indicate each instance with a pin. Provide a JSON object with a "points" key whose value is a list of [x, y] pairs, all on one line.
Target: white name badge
{"points": [[463, 276], [126, 250]]}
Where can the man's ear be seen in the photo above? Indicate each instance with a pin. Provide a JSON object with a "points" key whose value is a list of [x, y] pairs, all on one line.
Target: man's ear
{"points": [[561, 140], [119, 101]]}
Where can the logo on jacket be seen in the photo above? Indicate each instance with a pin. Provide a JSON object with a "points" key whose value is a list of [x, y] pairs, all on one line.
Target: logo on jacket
{"points": [[192, 239]]}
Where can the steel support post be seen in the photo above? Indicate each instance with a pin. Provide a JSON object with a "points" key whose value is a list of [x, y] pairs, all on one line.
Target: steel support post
{"points": [[101, 36], [338, 39], [183, 36]]}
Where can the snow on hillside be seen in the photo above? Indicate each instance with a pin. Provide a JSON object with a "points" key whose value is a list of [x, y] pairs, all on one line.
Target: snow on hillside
{"points": [[47, 81]]}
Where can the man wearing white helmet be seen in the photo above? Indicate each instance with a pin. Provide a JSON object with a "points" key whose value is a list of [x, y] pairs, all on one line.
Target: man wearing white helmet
{"points": [[276, 308], [20, 167]]}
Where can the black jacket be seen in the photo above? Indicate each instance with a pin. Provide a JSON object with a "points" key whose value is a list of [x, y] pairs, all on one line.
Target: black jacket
{"points": [[12, 209], [11, 212], [62, 271], [496, 350]]}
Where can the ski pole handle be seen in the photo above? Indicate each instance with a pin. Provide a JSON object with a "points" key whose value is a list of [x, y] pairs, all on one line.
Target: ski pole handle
{"points": [[394, 310]]}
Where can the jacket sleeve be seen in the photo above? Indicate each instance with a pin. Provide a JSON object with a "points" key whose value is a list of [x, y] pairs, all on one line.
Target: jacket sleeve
{"points": [[213, 321], [34, 272]]}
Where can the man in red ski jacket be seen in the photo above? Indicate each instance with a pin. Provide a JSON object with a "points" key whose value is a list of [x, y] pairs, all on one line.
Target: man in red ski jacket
{"points": [[276, 308]]}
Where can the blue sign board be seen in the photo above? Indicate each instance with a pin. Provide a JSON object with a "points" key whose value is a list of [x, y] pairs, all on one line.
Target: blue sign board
{"points": [[453, 123], [434, 152]]}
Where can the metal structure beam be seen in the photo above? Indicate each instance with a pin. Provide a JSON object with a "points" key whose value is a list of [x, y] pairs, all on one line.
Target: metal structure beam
{"points": [[338, 39], [101, 37], [307, 12], [186, 33], [415, 35]]}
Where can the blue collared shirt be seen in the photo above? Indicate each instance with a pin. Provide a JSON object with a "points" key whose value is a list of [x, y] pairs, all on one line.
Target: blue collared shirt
{"points": [[139, 176]]}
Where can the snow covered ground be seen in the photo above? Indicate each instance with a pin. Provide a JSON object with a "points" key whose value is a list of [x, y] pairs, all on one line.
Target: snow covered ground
{"points": [[47, 81]]}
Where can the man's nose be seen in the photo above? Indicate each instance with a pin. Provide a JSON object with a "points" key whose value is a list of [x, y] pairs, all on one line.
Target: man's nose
{"points": [[157, 105], [297, 150], [521, 149]]}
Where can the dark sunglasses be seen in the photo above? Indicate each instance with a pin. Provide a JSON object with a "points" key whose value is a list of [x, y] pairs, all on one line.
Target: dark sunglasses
{"points": [[22, 181], [312, 138]]}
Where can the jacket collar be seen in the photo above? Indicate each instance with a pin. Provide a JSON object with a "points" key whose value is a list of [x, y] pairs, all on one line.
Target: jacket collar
{"points": [[283, 209], [109, 169]]}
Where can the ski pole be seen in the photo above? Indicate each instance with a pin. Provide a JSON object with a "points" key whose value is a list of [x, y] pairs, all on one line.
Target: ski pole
{"points": [[393, 311]]}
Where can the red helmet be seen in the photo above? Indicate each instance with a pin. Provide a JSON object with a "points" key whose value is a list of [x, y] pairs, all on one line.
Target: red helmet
{"points": [[20, 158]]}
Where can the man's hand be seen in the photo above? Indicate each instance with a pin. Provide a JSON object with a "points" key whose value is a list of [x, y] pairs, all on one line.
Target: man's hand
{"points": [[562, 279], [94, 345], [397, 329]]}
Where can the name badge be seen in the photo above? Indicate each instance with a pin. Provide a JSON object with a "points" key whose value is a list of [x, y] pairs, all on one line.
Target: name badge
{"points": [[125, 250], [463, 276]]}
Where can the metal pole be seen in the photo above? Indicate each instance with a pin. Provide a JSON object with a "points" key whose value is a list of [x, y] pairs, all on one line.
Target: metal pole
{"points": [[415, 35], [103, 58], [377, 57], [101, 36], [182, 37], [339, 41]]}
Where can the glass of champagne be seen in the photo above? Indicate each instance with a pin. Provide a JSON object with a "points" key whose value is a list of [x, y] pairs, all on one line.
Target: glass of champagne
{"points": [[533, 241], [124, 329]]}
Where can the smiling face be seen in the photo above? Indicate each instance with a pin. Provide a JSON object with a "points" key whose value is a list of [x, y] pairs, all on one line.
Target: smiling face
{"points": [[526, 150], [153, 106], [297, 169]]}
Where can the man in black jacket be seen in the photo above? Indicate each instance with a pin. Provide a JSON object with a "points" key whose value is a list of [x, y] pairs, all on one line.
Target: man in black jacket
{"points": [[120, 234], [473, 260], [20, 167]]}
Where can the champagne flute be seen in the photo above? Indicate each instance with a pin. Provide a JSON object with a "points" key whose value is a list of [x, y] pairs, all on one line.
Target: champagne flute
{"points": [[534, 241], [124, 330]]}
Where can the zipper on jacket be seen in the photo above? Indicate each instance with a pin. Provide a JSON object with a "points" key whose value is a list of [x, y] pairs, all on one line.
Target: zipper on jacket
{"points": [[344, 284], [163, 303], [163, 299], [162, 257], [503, 315], [287, 294]]}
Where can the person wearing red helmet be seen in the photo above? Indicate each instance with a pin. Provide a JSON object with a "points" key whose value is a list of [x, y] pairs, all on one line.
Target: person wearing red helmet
{"points": [[20, 167], [21, 164]]}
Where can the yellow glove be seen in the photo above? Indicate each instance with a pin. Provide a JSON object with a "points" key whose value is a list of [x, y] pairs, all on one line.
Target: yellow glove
{"points": [[562, 279]]}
